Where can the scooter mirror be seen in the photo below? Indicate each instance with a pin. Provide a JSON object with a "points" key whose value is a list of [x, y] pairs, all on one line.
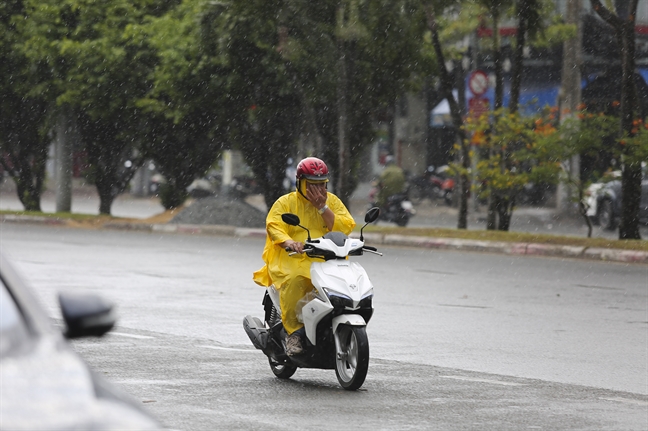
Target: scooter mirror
{"points": [[290, 219], [293, 220], [372, 215]]}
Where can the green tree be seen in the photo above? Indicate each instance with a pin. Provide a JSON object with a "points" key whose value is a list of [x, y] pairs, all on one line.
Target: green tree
{"points": [[262, 104], [322, 70], [183, 125], [23, 110], [379, 57], [530, 19], [100, 67], [456, 111]]}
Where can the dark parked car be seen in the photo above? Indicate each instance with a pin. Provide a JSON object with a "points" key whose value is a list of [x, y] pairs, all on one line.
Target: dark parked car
{"points": [[607, 204], [44, 384]]}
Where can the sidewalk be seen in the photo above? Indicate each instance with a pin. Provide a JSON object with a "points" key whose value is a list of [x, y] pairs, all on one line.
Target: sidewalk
{"points": [[84, 201], [539, 220]]}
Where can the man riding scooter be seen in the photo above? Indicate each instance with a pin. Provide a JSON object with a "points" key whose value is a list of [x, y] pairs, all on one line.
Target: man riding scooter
{"points": [[391, 182], [318, 209]]}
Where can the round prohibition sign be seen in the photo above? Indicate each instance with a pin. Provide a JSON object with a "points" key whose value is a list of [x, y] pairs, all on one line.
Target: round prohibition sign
{"points": [[478, 83]]}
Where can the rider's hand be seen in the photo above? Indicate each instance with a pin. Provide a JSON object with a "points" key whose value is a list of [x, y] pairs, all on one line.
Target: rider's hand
{"points": [[295, 246], [316, 194]]}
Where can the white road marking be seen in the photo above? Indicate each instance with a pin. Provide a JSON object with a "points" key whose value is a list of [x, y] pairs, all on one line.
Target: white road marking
{"points": [[228, 348], [472, 379], [626, 400], [140, 337]]}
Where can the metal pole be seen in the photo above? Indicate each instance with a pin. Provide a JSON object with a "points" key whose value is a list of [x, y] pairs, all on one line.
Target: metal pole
{"points": [[63, 153]]}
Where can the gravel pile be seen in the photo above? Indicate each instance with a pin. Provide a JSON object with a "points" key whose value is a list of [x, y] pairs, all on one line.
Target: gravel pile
{"points": [[221, 210]]}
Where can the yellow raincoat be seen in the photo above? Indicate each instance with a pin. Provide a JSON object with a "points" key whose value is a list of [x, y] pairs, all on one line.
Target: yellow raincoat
{"points": [[291, 274]]}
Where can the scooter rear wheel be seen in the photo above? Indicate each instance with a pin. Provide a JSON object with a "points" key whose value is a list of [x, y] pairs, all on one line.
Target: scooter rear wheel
{"points": [[447, 197], [282, 371], [416, 194], [352, 362]]}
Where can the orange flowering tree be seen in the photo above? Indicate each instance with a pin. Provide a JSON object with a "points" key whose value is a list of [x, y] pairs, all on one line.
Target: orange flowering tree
{"points": [[514, 151]]}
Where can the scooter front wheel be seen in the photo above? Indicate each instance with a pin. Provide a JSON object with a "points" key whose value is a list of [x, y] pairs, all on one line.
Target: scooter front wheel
{"points": [[352, 361], [283, 371]]}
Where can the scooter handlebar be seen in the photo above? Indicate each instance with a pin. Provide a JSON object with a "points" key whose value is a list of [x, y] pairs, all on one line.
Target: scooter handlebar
{"points": [[373, 250], [309, 247], [292, 253]]}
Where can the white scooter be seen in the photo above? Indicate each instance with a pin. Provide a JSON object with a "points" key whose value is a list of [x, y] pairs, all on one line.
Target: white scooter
{"points": [[335, 315]]}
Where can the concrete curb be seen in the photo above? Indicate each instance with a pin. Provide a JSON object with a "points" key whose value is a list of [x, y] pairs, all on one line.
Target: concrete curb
{"points": [[510, 248], [32, 219]]}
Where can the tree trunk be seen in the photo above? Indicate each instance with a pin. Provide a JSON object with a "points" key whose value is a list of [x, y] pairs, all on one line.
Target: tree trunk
{"points": [[28, 172], [624, 27], [493, 200], [28, 189], [505, 211], [342, 87], [111, 179], [569, 102], [105, 199], [630, 198], [631, 174], [497, 60], [516, 79], [491, 212], [457, 121], [63, 152], [24, 152]]}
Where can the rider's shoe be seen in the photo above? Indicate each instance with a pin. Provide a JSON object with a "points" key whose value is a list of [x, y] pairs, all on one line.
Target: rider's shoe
{"points": [[293, 344]]}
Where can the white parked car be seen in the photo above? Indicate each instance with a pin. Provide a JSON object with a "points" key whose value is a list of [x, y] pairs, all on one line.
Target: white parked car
{"points": [[604, 201]]}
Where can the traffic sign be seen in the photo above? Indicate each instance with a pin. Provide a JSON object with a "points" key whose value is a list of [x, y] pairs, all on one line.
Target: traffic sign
{"points": [[477, 106], [478, 82]]}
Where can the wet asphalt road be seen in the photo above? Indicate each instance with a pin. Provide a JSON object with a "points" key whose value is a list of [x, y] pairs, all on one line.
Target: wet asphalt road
{"points": [[458, 340]]}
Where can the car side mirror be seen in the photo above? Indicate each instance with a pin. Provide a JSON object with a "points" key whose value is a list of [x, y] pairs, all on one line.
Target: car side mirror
{"points": [[86, 315]]}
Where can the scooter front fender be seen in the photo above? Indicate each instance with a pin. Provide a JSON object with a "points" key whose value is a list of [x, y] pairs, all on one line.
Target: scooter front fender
{"points": [[345, 319], [348, 319]]}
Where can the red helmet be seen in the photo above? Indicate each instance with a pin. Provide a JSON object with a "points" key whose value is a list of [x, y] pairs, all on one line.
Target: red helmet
{"points": [[312, 168]]}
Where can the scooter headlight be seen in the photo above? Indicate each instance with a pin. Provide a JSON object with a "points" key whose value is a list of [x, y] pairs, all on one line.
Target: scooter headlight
{"points": [[338, 300], [366, 300]]}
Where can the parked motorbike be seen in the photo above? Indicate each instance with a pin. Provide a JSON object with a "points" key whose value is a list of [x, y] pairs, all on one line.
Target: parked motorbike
{"points": [[335, 315], [398, 209], [433, 184]]}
